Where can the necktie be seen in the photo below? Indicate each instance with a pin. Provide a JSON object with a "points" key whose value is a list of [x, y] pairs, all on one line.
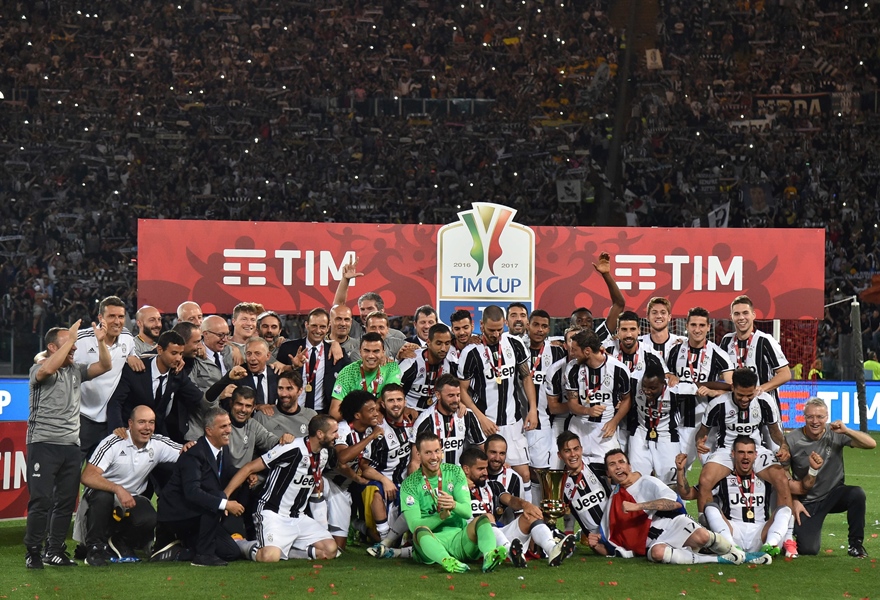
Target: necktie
{"points": [[158, 398], [261, 398], [220, 463], [313, 379], [217, 361]]}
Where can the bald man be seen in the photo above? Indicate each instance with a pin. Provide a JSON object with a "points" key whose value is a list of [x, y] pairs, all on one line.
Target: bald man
{"points": [[149, 323], [190, 312], [215, 337]]}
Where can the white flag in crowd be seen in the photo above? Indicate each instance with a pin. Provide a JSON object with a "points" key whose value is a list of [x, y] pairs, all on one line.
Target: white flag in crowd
{"points": [[568, 191], [715, 218]]}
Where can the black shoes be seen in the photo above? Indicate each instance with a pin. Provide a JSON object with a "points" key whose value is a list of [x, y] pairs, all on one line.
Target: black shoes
{"points": [[857, 550], [32, 558], [97, 555], [168, 553], [58, 558], [208, 560]]}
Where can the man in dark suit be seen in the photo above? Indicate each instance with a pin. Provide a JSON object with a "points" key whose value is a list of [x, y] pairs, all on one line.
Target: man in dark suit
{"points": [[161, 386], [312, 354], [192, 506], [260, 376]]}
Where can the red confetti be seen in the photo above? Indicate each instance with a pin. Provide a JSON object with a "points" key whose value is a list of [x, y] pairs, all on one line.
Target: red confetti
{"points": [[689, 569], [829, 551], [684, 592], [873, 535], [857, 570], [491, 594], [451, 587], [847, 595], [333, 585], [602, 583], [788, 559], [449, 577], [610, 562], [731, 580], [753, 566], [484, 584], [292, 577], [317, 566], [310, 590], [583, 559], [612, 583], [264, 577], [522, 587], [560, 581], [167, 579], [424, 576]]}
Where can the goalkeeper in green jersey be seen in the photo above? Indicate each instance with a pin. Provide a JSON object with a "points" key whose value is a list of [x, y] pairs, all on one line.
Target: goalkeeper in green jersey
{"points": [[436, 503]]}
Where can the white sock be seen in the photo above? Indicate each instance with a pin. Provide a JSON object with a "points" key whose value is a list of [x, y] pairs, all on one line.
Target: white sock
{"points": [[527, 489], [779, 526], [717, 524], [299, 554], [382, 528], [789, 532], [244, 546], [683, 556], [406, 552], [537, 493], [543, 537], [396, 531]]}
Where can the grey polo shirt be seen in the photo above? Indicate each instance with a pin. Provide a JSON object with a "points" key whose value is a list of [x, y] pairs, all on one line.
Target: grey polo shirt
{"points": [[830, 448], [249, 440], [54, 405]]}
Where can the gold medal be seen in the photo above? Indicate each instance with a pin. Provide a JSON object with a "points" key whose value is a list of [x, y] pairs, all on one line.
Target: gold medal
{"points": [[308, 387], [652, 434], [498, 381], [750, 514]]}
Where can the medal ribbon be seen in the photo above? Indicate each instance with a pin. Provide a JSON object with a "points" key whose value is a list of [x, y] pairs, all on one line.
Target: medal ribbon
{"points": [[310, 374], [742, 353], [375, 384], [316, 471]]}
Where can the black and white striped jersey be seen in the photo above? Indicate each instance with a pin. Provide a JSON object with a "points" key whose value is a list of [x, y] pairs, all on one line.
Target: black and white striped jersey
{"points": [[605, 385], [493, 372], [732, 421], [541, 363], [661, 350], [455, 433], [695, 367], [760, 352], [390, 453], [587, 494], [740, 497], [292, 477], [418, 376]]}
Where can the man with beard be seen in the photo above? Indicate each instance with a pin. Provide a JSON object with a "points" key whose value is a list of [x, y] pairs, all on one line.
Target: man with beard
{"points": [[284, 531], [419, 375], [248, 437], [494, 375], [496, 451], [597, 390], [645, 518], [742, 511], [517, 321], [289, 416], [743, 411], [636, 358], [462, 324], [703, 370], [368, 373], [314, 357], [269, 327], [435, 502], [149, 323], [201, 372], [542, 357], [387, 461], [455, 431], [659, 339], [557, 405], [358, 429]]}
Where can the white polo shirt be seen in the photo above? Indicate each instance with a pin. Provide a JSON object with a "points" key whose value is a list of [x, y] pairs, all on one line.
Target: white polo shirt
{"points": [[125, 464]]}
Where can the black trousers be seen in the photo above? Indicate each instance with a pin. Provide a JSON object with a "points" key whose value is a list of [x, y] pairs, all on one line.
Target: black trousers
{"points": [[204, 534], [136, 528], [90, 435], [844, 498], [53, 484]]}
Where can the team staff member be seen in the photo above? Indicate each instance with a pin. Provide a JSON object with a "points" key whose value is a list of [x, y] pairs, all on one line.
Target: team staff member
{"points": [[53, 442], [829, 494], [116, 475]]}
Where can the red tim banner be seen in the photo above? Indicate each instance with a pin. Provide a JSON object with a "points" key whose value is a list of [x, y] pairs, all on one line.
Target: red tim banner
{"points": [[13, 470], [485, 258]]}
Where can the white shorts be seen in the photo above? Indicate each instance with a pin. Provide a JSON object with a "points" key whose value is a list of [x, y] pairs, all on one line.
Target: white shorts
{"points": [[646, 456], [747, 536], [674, 532], [765, 459], [595, 446], [288, 532], [623, 438], [512, 532], [338, 508], [540, 447], [517, 444]]}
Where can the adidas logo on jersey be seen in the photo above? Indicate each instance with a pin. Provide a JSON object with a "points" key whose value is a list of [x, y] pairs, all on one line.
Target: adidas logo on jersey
{"points": [[92, 350]]}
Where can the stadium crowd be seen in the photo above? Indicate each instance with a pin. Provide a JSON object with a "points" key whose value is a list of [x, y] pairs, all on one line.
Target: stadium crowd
{"points": [[263, 110]]}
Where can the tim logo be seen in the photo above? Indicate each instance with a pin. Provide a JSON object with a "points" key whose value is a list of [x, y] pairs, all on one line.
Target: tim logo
{"points": [[484, 258], [639, 271]]}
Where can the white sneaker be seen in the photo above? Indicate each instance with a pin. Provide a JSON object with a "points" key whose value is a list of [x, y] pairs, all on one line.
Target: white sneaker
{"points": [[736, 556], [561, 550]]}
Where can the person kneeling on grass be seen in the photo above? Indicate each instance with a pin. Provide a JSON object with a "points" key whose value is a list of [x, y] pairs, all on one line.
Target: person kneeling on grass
{"points": [[283, 529], [645, 518], [436, 503]]}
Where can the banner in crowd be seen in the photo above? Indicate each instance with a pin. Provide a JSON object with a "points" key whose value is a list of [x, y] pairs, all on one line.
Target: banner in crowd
{"points": [[802, 104], [295, 267]]}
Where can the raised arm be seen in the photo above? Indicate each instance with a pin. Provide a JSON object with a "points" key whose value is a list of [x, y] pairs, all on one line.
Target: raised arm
{"points": [[618, 302], [349, 272], [51, 365]]}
